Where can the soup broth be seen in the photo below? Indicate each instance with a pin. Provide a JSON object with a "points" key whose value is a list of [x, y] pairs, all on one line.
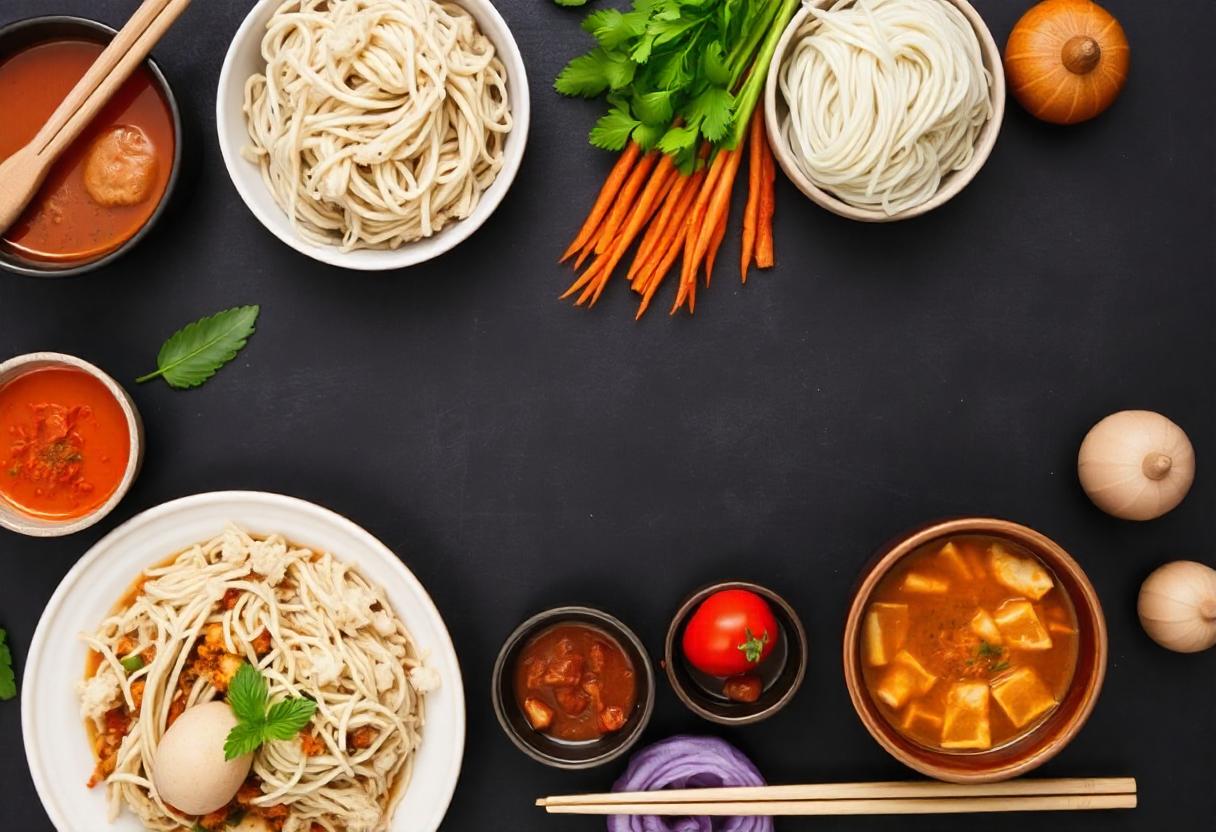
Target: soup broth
{"points": [[968, 644]]}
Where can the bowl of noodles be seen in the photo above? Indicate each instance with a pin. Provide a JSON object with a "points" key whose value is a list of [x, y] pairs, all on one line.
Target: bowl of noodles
{"points": [[372, 134], [151, 624], [882, 110]]}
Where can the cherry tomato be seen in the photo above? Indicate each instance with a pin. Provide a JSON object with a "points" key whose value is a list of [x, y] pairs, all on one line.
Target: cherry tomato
{"points": [[731, 633]]}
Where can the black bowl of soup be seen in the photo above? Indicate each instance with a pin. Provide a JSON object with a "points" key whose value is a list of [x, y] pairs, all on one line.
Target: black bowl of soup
{"points": [[109, 187], [974, 649], [573, 687]]}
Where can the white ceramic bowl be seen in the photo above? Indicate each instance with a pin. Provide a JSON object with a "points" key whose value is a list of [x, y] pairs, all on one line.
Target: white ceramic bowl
{"points": [[775, 111], [56, 747], [245, 59], [41, 527]]}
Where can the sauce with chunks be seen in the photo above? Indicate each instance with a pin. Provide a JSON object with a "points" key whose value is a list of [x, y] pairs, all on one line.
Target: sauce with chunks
{"points": [[968, 644], [575, 683]]}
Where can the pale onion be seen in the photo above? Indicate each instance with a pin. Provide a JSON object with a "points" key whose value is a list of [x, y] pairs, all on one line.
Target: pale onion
{"points": [[1136, 464], [1177, 606]]}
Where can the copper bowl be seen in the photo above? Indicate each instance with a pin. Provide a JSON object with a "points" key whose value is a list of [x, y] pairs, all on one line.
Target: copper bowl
{"points": [[1041, 743]]}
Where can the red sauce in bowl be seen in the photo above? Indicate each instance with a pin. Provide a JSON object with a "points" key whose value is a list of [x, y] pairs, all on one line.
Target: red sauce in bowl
{"points": [[64, 443], [72, 218]]}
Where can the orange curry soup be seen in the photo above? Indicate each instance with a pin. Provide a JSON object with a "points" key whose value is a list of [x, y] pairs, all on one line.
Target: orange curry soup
{"points": [[968, 644], [66, 222], [64, 443]]}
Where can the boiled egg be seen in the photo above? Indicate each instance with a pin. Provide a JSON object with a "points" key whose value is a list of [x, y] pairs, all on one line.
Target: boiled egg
{"points": [[189, 771]]}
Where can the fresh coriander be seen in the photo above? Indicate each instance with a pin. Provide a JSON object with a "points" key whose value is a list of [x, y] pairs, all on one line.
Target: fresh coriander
{"points": [[195, 352], [8, 681], [257, 719]]}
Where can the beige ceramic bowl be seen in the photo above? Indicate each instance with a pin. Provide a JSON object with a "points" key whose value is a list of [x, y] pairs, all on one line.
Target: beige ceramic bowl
{"points": [[775, 111], [40, 527]]}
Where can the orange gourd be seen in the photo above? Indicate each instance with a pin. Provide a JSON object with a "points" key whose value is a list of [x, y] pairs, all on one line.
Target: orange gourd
{"points": [[1066, 60]]}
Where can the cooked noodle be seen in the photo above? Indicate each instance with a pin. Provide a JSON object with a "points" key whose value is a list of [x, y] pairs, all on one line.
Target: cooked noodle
{"points": [[332, 637], [376, 122], [886, 97]]}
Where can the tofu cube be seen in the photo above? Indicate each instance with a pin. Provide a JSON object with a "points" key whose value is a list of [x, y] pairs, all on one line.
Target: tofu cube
{"points": [[919, 720], [884, 632], [952, 560], [905, 679], [984, 627], [925, 584], [1022, 696], [1020, 626], [966, 721], [1023, 575]]}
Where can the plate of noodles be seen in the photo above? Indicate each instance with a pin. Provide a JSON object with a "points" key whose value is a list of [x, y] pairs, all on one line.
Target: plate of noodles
{"points": [[372, 134], [145, 656], [883, 110]]}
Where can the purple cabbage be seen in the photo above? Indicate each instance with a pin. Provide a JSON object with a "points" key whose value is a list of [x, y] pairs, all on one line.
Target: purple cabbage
{"points": [[688, 763]]}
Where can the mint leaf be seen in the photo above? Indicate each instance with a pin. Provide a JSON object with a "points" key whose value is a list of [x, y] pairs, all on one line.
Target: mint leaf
{"points": [[288, 717], [248, 694], [244, 738], [8, 680], [195, 352]]}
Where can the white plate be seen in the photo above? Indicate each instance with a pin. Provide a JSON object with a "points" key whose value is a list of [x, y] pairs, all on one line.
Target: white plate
{"points": [[55, 742], [244, 59]]}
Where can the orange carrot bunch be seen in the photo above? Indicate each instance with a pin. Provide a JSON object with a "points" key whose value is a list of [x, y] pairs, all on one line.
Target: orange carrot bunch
{"points": [[681, 213]]}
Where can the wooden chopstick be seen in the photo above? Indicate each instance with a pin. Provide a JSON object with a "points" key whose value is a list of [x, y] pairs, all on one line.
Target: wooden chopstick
{"points": [[897, 806], [875, 790], [112, 68], [883, 798]]}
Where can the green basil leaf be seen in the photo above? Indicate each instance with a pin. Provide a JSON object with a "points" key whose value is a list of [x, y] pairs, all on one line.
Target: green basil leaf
{"points": [[8, 680], [195, 352]]}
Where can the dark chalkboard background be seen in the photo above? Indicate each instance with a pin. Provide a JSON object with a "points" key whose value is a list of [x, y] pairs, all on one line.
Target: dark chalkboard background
{"points": [[518, 453]]}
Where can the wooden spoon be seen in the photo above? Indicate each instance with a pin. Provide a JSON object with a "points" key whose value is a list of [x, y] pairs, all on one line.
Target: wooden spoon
{"points": [[22, 173]]}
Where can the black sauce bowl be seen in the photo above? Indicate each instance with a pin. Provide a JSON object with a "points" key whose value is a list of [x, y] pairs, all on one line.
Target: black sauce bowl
{"points": [[543, 748], [24, 33], [782, 671]]}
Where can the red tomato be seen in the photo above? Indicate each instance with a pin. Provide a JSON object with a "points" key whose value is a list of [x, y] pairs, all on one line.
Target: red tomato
{"points": [[730, 633]]}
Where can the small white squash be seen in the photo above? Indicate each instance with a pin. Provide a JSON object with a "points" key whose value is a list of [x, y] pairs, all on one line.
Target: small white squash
{"points": [[1177, 606], [1136, 464]]}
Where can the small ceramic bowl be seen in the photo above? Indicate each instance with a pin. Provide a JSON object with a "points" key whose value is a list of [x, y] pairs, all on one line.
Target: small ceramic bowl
{"points": [[545, 749], [782, 672], [24, 33], [12, 519], [1056, 731], [775, 111], [244, 59]]}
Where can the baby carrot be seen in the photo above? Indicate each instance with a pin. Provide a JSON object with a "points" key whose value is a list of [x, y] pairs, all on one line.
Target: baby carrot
{"points": [[752, 212], [611, 186], [625, 201], [764, 231]]}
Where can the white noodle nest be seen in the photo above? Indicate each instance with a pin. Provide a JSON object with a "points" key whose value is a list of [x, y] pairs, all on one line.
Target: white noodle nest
{"points": [[377, 122], [885, 97]]}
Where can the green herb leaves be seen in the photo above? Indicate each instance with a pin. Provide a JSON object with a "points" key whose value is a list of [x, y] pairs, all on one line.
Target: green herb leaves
{"points": [[667, 68], [195, 352], [249, 696], [8, 680]]}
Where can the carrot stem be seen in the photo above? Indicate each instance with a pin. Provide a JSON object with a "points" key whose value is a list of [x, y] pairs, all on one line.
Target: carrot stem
{"points": [[602, 202], [765, 258], [624, 203], [751, 213]]}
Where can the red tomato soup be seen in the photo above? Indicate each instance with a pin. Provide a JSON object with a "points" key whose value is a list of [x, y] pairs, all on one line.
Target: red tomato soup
{"points": [[65, 443], [108, 183]]}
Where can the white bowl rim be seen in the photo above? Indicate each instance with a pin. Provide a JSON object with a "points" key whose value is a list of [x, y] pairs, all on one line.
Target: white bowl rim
{"points": [[957, 180], [410, 254], [41, 527], [441, 646]]}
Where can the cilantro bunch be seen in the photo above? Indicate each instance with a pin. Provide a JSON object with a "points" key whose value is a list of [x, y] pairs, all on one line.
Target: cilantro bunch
{"points": [[673, 72]]}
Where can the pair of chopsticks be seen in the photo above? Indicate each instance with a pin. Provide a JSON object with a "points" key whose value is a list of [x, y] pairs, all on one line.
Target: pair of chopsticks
{"points": [[22, 173], [894, 798]]}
